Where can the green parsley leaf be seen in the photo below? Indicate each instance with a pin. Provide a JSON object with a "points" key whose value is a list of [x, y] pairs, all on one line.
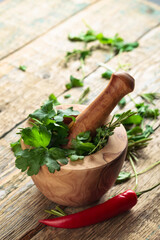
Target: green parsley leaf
{"points": [[59, 134], [76, 157], [54, 100], [78, 54], [36, 136], [89, 36], [69, 113], [134, 131], [107, 74], [51, 164], [145, 112], [82, 148], [46, 111], [84, 136], [31, 159], [74, 82], [22, 68], [123, 177], [136, 119], [16, 147], [122, 102], [67, 96], [125, 47]]}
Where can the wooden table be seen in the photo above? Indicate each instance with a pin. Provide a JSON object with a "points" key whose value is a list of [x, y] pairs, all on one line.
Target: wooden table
{"points": [[34, 33]]}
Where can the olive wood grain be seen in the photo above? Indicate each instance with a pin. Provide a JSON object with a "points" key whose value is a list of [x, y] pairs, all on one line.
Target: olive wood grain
{"points": [[84, 181], [96, 113]]}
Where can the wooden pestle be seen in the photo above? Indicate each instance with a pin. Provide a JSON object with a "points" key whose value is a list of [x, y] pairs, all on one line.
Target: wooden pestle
{"points": [[97, 112]]}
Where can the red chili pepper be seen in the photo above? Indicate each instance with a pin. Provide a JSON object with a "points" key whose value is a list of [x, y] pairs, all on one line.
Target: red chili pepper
{"points": [[111, 208]]}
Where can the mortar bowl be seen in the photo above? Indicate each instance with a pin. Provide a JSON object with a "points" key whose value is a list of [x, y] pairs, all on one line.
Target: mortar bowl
{"points": [[83, 182]]}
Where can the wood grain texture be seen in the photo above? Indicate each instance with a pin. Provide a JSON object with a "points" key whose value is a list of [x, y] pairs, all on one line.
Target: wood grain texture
{"points": [[25, 20], [43, 56], [21, 203]]}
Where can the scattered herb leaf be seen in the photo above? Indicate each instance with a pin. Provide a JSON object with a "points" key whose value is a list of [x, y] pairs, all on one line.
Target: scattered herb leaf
{"points": [[123, 177], [89, 36], [22, 68], [107, 74], [74, 82], [83, 96], [122, 102], [144, 111], [67, 96], [149, 97]]}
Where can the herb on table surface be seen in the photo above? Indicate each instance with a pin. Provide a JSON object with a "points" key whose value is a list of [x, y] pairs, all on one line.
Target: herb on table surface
{"points": [[88, 36], [22, 68], [122, 102], [116, 42], [125, 176], [107, 74], [83, 96], [146, 112], [77, 54], [57, 212], [67, 96], [74, 82], [149, 97]]}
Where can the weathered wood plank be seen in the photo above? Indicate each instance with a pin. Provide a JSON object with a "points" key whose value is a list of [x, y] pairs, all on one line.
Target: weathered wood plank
{"points": [[18, 189], [23, 21], [45, 74], [22, 204]]}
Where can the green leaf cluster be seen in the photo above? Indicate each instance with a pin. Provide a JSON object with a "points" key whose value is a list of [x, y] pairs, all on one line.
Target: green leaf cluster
{"points": [[138, 134], [107, 74], [74, 82], [116, 42], [149, 97], [80, 54], [48, 134], [45, 138], [88, 36]]}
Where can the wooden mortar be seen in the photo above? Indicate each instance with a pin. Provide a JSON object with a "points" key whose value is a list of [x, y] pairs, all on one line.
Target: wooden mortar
{"points": [[85, 181]]}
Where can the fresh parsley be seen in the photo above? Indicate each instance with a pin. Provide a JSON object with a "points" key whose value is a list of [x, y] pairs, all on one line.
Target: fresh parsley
{"points": [[23, 68], [149, 97], [107, 74], [48, 133], [74, 82]]}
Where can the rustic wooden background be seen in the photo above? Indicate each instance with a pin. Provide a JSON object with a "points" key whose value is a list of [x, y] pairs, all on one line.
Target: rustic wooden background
{"points": [[34, 33]]}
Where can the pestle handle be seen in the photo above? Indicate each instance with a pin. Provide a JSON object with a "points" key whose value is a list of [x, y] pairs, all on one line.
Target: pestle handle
{"points": [[97, 112]]}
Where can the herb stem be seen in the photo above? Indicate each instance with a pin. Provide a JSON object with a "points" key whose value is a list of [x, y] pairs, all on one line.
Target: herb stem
{"points": [[147, 169], [132, 99], [147, 190], [82, 67], [60, 210], [54, 212], [134, 169]]}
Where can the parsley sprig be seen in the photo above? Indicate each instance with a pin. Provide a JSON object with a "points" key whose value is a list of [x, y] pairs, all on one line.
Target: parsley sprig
{"points": [[48, 133]]}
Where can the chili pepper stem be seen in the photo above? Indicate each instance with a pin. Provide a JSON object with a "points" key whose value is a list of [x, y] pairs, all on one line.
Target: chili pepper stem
{"points": [[147, 190]]}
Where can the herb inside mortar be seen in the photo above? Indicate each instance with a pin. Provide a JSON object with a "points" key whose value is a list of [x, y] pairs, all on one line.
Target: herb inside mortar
{"points": [[48, 133]]}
